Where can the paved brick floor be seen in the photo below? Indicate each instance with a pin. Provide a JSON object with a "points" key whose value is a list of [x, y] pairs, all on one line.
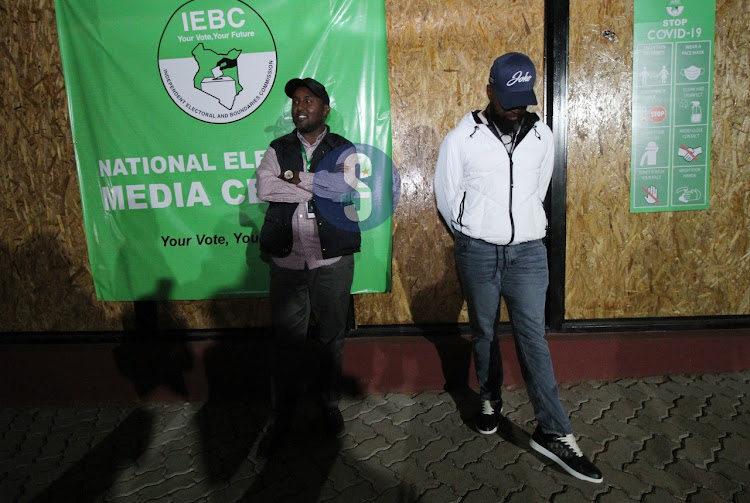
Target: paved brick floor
{"points": [[661, 439]]}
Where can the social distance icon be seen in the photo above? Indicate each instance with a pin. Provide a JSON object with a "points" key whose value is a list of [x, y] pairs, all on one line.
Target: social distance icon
{"points": [[658, 114]]}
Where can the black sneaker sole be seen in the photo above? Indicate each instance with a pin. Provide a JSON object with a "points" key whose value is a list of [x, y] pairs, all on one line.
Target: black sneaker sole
{"points": [[549, 454]]}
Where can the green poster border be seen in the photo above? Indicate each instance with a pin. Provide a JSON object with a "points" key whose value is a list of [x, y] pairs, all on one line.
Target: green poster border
{"points": [[663, 35], [120, 109]]}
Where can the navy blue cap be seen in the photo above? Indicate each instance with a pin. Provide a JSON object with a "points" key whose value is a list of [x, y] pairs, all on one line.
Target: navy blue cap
{"points": [[512, 77], [313, 85]]}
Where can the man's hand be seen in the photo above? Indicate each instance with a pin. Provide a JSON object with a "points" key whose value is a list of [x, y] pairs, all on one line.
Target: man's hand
{"points": [[293, 179]]}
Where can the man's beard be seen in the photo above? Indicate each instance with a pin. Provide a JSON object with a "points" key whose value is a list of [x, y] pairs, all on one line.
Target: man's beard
{"points": [[310, 127], [505, 125]]}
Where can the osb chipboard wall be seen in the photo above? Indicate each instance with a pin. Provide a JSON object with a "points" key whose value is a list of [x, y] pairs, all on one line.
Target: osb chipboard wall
{"points": [[439, 55], [668, 264], [45, 280], [620, 264]]}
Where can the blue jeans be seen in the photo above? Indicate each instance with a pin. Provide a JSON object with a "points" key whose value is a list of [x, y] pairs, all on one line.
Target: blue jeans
{"points": [[519, 274]]}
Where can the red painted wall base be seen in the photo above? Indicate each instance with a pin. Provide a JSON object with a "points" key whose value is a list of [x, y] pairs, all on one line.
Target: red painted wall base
{"points": [[235, 369]]}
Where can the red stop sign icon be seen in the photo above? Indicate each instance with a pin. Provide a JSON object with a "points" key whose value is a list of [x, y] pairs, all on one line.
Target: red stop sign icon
{"points": [[658, 113]]}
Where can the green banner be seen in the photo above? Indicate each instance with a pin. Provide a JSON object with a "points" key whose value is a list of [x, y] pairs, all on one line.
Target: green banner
{"points": [[672, 105], [172, 106]]}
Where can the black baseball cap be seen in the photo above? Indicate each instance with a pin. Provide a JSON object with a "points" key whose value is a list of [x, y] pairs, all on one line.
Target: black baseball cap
{"points": [[313, 85]]}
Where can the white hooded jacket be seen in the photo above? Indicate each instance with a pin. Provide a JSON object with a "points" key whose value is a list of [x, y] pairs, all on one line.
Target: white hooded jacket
{"points": [[485, 193]]}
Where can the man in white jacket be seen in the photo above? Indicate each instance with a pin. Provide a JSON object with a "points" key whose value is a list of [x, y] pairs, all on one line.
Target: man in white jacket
{"points": [[492, 175]]}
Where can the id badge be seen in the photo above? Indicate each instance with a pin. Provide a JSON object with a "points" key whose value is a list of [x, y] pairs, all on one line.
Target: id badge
{"points": [[310, 211]]}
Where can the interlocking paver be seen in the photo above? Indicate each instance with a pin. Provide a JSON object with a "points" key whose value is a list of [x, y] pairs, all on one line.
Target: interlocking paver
{"points": [[672, 483], [343, 475], [717, 482], [573, 495], [379, 476], [441, 494], [399, 450], [400, 494], [389, 431], [629, 429], [481, 495], [660, 439], [434, 451], [368, 448], [527, 494], [723, 405], [377, 414], [500, 455], [405, 414], [658, 451], [456, 477], [660, 495], [620, 451], [436, 413], [729, 425], [536, 476], [624, 483], [736, 448], [699, 450], [420, 430], [364, 491], [690, 407], [705, 495], [357, 431], [420, 479], [730, 470], [470, 451], [701, 426]]}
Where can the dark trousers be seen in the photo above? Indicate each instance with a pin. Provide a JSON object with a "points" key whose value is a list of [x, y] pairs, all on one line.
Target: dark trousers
{"points": [[294, 294]]}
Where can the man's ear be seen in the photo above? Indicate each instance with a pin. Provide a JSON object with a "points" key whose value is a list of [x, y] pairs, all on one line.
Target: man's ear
{"points": [[489, 92], [326, 110]]}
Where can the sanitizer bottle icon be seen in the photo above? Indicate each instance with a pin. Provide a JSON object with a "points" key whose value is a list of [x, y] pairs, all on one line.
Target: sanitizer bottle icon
{"points": [[696, 115]]}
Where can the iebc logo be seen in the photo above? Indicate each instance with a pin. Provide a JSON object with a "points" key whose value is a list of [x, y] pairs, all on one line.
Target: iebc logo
{"points": [[217, 60]]}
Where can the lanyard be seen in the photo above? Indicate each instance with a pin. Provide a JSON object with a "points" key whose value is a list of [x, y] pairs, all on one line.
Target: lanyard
{"points": [[304, 156]]}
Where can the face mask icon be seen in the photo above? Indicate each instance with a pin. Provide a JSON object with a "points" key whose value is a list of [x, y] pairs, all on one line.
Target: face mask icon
{"points": [[692, 72]]}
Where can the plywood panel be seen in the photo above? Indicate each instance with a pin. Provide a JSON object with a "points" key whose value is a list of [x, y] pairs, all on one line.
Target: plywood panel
{"points": [[439, 57], [659, 264], [619, 265], [44, 269]]}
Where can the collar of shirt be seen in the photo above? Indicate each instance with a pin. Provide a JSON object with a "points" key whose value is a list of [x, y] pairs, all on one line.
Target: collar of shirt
{"points": [[317, 141]]}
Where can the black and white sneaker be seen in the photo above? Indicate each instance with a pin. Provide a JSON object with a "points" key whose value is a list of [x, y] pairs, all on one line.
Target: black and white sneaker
{"points": [[564, 451], [487, 423]]}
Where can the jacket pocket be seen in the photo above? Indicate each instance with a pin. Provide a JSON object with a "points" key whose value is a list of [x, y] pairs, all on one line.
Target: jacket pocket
{"points": [[461, 210]]}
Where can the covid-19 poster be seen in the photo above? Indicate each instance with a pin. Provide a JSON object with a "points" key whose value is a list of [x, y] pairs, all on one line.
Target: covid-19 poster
{"points": [[172, 106], [672, 104]]}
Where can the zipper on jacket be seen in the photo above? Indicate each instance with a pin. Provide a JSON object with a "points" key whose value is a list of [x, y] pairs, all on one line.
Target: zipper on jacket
{"points": [[528, 122], [510, 201]]}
